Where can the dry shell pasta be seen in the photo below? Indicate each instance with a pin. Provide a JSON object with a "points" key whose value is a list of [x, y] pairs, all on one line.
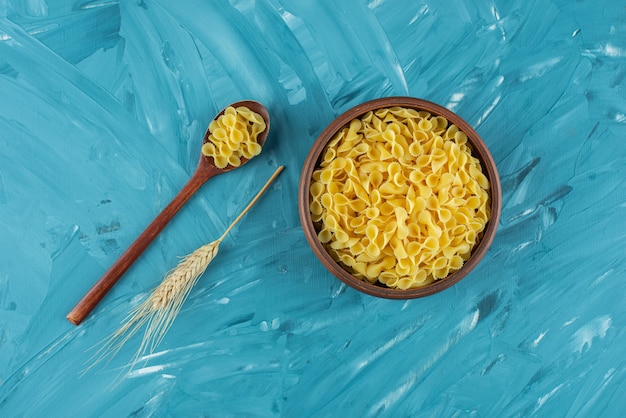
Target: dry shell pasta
{"points": [[398, 197], [233, 136]]}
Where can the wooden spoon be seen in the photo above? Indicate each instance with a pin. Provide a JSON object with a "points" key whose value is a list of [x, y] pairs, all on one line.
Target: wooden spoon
{"points": [[206, 170]]}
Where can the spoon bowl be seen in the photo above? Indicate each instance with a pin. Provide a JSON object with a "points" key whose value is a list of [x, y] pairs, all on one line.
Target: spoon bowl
{"points": [[255, 107], [205, 170]]}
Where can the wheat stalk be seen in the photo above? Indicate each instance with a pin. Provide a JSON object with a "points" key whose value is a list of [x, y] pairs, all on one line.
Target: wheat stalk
{"points": [[159, 310]]}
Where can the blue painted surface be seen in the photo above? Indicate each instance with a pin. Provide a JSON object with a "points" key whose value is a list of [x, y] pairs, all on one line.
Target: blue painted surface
{"points": [[102, 110]]}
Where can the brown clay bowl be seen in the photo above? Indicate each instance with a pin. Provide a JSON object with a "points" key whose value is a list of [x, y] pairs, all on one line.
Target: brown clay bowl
{"points": [[479, 150]]}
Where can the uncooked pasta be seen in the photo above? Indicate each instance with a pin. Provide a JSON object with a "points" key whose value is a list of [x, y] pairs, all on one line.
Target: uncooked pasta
{"points": [[399, 198], [233, 136]]}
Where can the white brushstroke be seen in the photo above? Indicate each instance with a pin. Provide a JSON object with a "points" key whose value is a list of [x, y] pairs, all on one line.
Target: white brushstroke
{"points": [[422, 11], [498, 23], [469, 323], [601, 278], [570, 322], [613, 51], [374, 4], [540, 69], [378, 352], [542, 400], [537, 340], [273, 325], [146, 371], [488, 111], [95, 5], [455, 100], [596, 328]]}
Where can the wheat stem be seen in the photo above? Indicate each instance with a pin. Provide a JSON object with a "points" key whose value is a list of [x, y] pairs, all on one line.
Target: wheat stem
{"points": [[159, 310], [252, 202]]}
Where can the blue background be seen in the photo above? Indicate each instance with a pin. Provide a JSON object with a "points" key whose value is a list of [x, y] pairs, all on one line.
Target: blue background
{"points": [[103, 106]]}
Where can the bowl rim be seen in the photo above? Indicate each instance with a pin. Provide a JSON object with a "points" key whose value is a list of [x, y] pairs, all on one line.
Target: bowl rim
{"points": [[479, 150]]}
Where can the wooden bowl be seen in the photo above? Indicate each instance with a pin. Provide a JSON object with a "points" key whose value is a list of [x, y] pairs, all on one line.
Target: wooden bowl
{"points": [[479, 150]]}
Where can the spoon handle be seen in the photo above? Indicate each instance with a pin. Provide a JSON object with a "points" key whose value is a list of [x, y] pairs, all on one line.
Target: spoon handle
{"points": [[91, 299]]}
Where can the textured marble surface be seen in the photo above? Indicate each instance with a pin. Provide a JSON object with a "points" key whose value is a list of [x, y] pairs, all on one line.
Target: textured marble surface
{"points": [[103, 105]]}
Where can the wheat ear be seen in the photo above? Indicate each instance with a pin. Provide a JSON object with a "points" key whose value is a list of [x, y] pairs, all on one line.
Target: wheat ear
{"points": [[159, 310]]}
